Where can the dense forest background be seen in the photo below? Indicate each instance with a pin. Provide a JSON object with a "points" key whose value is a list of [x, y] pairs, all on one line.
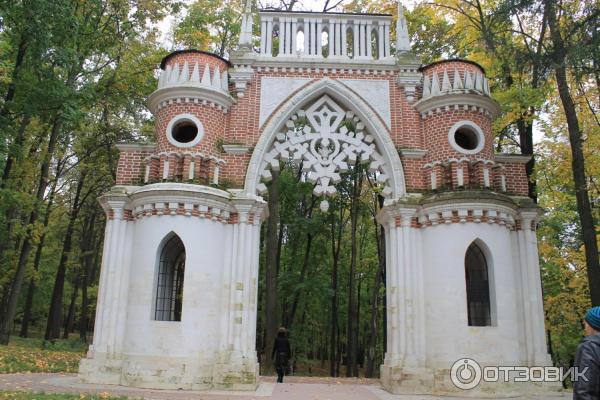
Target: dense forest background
{"points": [[74, 76]]}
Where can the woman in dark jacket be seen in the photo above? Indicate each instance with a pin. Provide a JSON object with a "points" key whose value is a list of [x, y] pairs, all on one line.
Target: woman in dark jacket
{"points": [[281, 353]]}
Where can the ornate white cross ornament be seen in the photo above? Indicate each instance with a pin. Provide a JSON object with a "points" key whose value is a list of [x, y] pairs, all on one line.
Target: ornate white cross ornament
{"points": [[325, 145]]}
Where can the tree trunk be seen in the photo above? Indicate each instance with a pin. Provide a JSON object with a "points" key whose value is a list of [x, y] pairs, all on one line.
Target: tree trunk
{"points": [[372, 343], [71, 312], [88, 263], [586, 217], [336, 244], [10, 92], [271, 267], [38, 255], [303, 272], [351, 336], [9, 306], [56, 303]]}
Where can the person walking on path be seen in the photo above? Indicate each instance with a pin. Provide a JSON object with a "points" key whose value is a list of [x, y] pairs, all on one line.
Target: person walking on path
{"points": [[587, 387], [281, 353]]}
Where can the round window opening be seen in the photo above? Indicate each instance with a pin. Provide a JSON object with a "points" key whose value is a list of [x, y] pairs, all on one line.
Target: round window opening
{"points": [[185, 131], [466, 138]]}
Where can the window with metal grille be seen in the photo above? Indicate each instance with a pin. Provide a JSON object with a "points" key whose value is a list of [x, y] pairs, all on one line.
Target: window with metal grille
{"points": [[478, 287], [169, 287]]}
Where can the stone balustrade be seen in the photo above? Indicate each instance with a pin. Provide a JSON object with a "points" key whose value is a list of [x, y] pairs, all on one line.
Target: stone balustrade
{"points": [[349, 36]]}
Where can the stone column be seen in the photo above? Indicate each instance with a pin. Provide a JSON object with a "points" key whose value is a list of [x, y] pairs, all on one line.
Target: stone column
{"points": [[281, 37], [294, 34], [332, 37], [368, 36], [319, 48], [238, 360], [306, 30], [344, 38], [404, 364], [102, 363], [269, 45], [386, 35], [263, 37], [355, 39], [533, 305], [380, 42]]}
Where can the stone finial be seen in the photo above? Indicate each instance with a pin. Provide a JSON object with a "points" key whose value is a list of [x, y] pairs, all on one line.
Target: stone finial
{"points": [[402, 39], [246, 28]]}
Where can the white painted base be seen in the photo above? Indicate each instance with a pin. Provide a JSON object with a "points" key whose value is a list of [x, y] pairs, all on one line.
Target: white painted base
{"points": [[430, 381], [168, 373]]}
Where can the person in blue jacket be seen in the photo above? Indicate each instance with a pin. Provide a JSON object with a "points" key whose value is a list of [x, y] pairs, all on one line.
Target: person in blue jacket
{"points": [[587, 387]]}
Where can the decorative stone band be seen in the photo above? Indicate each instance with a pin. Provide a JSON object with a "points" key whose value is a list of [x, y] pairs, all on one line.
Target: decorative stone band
{"points": [[463, 213], [409, 80], [484, 212], [236, 149], [171, 199], [330, 69], [186, 166], [190, 94], [456, 173], [241, 75], [457, 101]]}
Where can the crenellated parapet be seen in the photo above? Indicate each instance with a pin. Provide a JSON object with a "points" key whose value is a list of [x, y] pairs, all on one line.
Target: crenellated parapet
{"points": [[455, 85], [192, 76]]}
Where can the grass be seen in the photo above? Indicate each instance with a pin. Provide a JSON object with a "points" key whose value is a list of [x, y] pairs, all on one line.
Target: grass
{"points": [[38, 355], [54, 396]]}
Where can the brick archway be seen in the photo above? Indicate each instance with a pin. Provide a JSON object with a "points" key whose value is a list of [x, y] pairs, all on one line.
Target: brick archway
{"points": [[311, 92]]}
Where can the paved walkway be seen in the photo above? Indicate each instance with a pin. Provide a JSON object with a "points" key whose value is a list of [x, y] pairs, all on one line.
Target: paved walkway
{"points": [[295, 388]]}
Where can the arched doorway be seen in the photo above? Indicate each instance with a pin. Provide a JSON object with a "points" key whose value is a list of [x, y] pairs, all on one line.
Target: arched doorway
{"points": [[323, 164]]}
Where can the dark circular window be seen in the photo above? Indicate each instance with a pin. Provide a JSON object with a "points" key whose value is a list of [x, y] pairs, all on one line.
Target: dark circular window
{"points": [[185, 131], [466, 138]]}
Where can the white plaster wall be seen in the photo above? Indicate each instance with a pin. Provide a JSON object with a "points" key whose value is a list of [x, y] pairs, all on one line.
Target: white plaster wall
{"points": [[448, 335], [197, 335]]}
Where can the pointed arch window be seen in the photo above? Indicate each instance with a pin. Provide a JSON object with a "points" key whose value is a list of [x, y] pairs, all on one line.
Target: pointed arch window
{"points": [[478, 287], [169, 287]]}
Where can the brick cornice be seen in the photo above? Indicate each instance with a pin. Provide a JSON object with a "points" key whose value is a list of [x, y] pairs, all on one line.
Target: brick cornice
{"points": [[436, 104], [141, 147], [189, 93], [512, 158]]}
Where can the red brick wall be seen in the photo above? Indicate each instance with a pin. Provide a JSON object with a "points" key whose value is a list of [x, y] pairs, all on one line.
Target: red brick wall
{"points": [[213, 120], [240, 126], [437, 126], [516, 179], [131, 167]]}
